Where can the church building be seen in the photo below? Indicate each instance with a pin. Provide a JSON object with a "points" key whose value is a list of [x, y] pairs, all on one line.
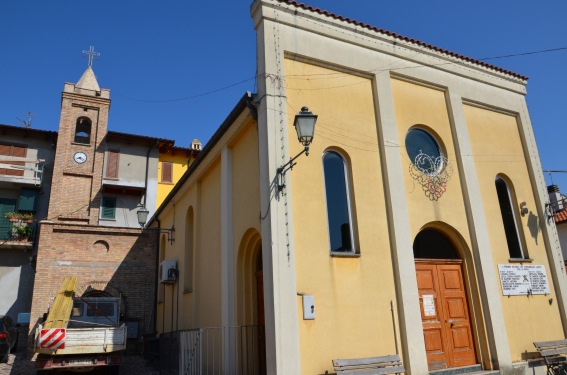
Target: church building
{"points": [[412, 222]]}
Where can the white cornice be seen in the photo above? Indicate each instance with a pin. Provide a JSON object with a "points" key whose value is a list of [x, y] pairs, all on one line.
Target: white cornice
{"points": [[356, 35]]}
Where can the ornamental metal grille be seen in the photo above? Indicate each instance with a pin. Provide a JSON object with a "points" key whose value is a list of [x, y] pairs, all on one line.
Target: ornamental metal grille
{"points": [[432, 173]]}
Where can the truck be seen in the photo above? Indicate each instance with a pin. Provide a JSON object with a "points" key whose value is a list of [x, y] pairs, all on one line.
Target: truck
{"points": [[80, 333]]}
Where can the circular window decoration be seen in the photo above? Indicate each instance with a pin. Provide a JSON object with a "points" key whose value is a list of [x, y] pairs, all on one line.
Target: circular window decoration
{"points": [[429, 167], [424, 151]]}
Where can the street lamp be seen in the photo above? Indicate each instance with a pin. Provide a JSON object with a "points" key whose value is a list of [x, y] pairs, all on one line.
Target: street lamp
{"points": [[304, 124], [143, 217]]}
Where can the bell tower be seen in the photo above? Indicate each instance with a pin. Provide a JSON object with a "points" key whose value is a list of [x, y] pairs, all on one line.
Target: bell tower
{"points": [[79, 158]]}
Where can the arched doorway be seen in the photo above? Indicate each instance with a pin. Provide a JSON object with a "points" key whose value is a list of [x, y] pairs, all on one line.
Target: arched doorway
{"points": [[250, 298], [443, 301]]}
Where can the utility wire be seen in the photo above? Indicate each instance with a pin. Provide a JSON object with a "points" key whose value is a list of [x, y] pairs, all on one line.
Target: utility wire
{"points": [[326, 74], [187, 97]]}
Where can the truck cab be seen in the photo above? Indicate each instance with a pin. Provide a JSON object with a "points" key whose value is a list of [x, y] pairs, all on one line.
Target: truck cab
{"points": [[95, 311]]}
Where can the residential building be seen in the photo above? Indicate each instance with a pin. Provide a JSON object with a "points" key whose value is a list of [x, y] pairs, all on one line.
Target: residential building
{"points": [[558, 210], [173, 163], [26, 163], [408, 228]]}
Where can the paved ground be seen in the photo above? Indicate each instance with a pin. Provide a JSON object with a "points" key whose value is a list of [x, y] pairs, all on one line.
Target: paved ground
{"points": [[19, 364]]}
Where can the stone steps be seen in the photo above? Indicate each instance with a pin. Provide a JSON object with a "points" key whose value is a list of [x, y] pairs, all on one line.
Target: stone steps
{"points": [[468, 370]]}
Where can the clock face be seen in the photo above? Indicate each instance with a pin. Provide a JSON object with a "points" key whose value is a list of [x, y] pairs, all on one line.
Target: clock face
{"points": [[80, 157]]}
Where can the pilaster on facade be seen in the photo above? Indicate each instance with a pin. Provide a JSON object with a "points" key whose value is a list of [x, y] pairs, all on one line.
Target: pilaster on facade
{"points": [[481, 248], [400, 232], [282, 332], [548, 226]]}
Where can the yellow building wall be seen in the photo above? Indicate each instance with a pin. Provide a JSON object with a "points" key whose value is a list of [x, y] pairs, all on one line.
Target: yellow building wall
{"points": [[425, 107], [245, 182], [498, 150], [180, 163], [202, 305], [352, 295], [245, 216]]}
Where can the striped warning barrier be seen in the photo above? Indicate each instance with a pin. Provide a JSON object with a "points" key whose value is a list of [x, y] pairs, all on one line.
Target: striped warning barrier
{"points": [[53, 338]]}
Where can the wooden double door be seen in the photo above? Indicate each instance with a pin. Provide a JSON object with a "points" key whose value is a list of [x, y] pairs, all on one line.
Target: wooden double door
{"points": [[445, 314]]}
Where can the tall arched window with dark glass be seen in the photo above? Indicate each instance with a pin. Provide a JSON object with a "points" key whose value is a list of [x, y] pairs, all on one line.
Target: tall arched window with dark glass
{"points": [[509, 219], [83, 130], [339, 212]]}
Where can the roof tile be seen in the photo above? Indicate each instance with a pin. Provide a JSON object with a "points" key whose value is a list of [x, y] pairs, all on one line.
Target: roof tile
{"points": [[561, 216], [414, 41]]}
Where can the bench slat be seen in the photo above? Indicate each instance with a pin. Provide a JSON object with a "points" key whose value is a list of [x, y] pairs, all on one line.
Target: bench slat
{"points": [[550, 352], [395, 359], [552, 344], [373, 371], [388, 364]]}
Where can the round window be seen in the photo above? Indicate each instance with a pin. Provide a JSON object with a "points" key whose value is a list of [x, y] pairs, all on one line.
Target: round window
{"points": [[424, 151]]}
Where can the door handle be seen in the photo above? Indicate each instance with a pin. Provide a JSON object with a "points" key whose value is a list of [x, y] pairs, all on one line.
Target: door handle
{"points": [[451, 322]]}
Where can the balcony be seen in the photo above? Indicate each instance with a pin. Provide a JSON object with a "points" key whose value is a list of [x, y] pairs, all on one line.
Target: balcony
{"points": [[21, 171], [18, 234]]}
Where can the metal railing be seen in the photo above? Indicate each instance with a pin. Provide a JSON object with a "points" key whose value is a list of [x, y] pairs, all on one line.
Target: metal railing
{"points": [[220, 351], [20, 231], [18, 169]]}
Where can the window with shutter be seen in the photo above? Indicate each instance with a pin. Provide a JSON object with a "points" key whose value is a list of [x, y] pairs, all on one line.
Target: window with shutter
{"points": [[108, 208], [28, 199], [15, 151], [166, 172], [112, 163]]}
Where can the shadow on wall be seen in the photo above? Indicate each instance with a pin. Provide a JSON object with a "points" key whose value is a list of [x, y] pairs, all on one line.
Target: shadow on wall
{"points": [[533, 225], [21, 272]]}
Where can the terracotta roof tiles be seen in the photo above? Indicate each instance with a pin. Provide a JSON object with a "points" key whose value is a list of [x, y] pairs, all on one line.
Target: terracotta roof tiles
{"points": [[561, 216], [404, 38]]}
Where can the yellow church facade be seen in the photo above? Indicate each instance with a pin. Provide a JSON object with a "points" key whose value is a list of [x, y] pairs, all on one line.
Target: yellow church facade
{"points": [[415, 225]]}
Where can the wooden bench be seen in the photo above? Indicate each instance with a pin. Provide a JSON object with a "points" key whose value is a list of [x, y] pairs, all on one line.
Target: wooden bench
{"points": [[389, 364], [554, 353]]}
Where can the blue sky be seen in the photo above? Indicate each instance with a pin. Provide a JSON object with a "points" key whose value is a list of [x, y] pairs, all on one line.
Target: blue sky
{"points": [[155, 53]]}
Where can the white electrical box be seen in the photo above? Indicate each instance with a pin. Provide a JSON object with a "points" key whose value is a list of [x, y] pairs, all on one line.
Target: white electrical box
{"points": [[168, 271], [308, 307]]}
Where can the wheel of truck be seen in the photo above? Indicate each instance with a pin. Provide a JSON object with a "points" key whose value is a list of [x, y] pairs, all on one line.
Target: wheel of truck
{"points": [[4, 358]]}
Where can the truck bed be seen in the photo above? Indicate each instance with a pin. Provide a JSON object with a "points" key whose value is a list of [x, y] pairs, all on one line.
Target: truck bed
{"points": [[88, 340]]}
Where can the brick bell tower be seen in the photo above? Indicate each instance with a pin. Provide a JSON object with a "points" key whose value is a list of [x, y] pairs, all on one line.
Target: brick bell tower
{"points": [[79, 158]]}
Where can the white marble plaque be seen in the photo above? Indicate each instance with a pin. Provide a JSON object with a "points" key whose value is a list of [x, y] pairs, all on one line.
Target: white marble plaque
{"points": [[519, 280], [428, 305]]}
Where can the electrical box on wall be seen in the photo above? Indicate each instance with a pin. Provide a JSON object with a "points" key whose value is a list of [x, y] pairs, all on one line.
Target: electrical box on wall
{"points": [[308, 307], [168, 271]]}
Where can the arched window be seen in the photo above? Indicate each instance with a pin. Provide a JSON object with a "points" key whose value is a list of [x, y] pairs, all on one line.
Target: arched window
{"points": [[509, 219], [339, 210], [83, 130]]}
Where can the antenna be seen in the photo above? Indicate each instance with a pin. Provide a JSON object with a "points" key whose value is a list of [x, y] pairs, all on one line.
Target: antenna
{"points": [[26, 123]]}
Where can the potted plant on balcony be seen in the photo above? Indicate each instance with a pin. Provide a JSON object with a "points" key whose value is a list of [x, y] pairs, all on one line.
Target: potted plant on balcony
{"points": [[12, 216], [24, 232], [26, 217]]}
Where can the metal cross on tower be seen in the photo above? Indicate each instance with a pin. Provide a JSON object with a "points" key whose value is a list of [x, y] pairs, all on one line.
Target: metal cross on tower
{"points": [[92, 54]]}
